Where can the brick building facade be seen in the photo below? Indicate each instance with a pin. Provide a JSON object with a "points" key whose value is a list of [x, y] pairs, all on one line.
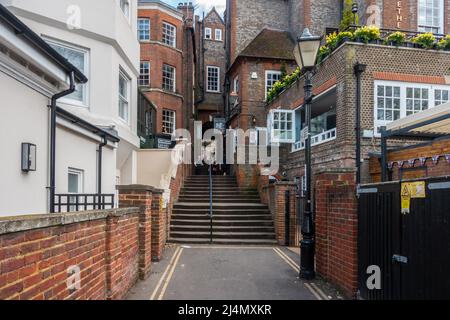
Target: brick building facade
{"points": [[167, 61], [211, 68]]}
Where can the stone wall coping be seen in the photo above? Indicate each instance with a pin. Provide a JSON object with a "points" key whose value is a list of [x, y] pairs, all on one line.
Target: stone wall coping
{"points": [[139, 187], [30, 222]]}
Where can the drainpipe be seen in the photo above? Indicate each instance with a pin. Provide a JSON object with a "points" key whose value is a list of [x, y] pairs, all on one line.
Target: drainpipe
{"points": [[99, 173], [359, 70], [53, 139]]}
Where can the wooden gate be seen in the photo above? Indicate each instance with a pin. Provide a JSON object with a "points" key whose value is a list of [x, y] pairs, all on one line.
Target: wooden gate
{"points": [[412, 249]]}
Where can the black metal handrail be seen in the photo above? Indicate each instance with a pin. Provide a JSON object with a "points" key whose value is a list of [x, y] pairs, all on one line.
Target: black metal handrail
{"points": [[82, 202], [210, 204]]}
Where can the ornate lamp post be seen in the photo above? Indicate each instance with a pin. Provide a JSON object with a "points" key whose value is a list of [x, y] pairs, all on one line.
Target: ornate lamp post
{"points": [[305, 53]]}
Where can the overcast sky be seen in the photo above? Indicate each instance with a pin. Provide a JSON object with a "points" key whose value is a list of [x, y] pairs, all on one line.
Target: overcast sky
{"points": [[202, 5]]}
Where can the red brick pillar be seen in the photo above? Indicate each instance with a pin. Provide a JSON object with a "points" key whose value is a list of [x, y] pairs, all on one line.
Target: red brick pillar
{"points": [[142, 197], [337, 228], [113, 258], [159, 225], [279, 213]]}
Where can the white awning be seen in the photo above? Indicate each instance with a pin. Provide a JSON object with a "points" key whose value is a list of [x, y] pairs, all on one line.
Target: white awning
{"points": [[434, 122]]}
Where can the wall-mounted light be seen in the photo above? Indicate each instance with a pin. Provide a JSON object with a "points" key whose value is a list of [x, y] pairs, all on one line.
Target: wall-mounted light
{"points": [[28, 157]]}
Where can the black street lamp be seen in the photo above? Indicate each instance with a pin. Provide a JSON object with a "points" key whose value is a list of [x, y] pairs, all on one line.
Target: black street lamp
{"points": [[305, 53]]}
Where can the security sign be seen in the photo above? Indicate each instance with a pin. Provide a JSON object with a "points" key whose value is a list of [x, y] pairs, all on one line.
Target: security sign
{"points": [[411, 190]]}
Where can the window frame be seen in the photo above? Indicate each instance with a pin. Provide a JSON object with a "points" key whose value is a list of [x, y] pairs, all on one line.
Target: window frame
{"points": [[80, 176], [424, 27], [165, 23], [207, 79], [174, 90], [141, 84], [277, 138], [403, 99], [86, 71], [215, 35], [267, 73], [129, 9], [124, 75], [236, 84], [139, 30], [174, 122], [208, 31]]}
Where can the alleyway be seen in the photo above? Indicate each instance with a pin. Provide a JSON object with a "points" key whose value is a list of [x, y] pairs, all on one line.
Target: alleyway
{"points": [[228, 273]]}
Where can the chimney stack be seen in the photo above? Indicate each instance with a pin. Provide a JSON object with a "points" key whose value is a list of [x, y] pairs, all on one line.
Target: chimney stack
{"points": [[187, 8]]}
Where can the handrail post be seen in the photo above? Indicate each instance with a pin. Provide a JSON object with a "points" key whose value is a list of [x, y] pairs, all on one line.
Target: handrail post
{"points": [[210, 205]]}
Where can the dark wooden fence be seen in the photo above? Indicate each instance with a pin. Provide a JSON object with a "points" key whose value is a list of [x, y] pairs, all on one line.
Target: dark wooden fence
{"points": [[412, 250]]}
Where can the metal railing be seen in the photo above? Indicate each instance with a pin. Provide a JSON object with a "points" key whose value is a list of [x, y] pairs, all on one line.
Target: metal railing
{"points": [[210, 204], [83, 202]]}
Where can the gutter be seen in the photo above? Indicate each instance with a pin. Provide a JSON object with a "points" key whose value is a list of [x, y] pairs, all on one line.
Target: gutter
{"points": [[359, 70], [99, 171], [53, 139]]}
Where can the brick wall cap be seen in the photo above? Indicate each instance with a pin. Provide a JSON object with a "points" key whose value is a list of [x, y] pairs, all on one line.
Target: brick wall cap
{"points": [[135, 187], [23, 223], [428, 179]]}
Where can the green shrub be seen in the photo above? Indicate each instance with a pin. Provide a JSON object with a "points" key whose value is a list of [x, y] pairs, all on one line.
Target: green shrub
{"points": [[367, 34], [324, 51], [425, 40], [397, 37], [444, 43], [284, 83], [344, 34], [347, 16]]}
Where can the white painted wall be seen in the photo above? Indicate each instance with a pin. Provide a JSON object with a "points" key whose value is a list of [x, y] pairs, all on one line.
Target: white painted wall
{"points": [[111, 39], [24, 118]]}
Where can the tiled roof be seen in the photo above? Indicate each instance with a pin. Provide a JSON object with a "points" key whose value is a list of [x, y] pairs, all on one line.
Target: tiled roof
{"points": [[270, 43]]}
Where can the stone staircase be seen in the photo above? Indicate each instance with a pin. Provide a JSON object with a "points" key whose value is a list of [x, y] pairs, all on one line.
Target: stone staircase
{"points": [[238, 216]]}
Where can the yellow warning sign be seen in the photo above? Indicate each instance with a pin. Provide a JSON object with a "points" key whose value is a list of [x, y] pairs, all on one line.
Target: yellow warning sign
{"points": [[406, 199], [412, 190]]}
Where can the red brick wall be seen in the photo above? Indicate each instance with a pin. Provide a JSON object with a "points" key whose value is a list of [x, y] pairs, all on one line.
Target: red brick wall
{"points": [[36, 252], [337, 229], [275, 194], [157, 53]]}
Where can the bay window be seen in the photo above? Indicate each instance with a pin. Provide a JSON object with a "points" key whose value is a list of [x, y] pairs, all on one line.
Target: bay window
{"points": [[395, 100], [168, 121], [169, 78]]}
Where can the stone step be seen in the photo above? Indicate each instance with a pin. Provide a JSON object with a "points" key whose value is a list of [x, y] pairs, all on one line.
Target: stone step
{"points": [[224, 235], [220, 200], [225, 229], [222, 222], [223, 217], [250, 242], [219, 206]]}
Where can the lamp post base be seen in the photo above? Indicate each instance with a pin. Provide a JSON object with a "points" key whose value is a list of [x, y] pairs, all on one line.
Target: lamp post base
{"points": [[307, 248]]}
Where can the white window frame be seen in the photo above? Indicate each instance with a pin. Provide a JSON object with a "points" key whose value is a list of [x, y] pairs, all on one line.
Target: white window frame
{"points": [[122, 99], [403, 94], [266, 86], [173, 28], [425, 27], [174, 78], [173, 123], [140, 80], [80, 175], [216, 33], [126, 13], [208, 68], [144, 30], [85, 86], [280, 116], [208, 33], [438, 102], [236, 84]]}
